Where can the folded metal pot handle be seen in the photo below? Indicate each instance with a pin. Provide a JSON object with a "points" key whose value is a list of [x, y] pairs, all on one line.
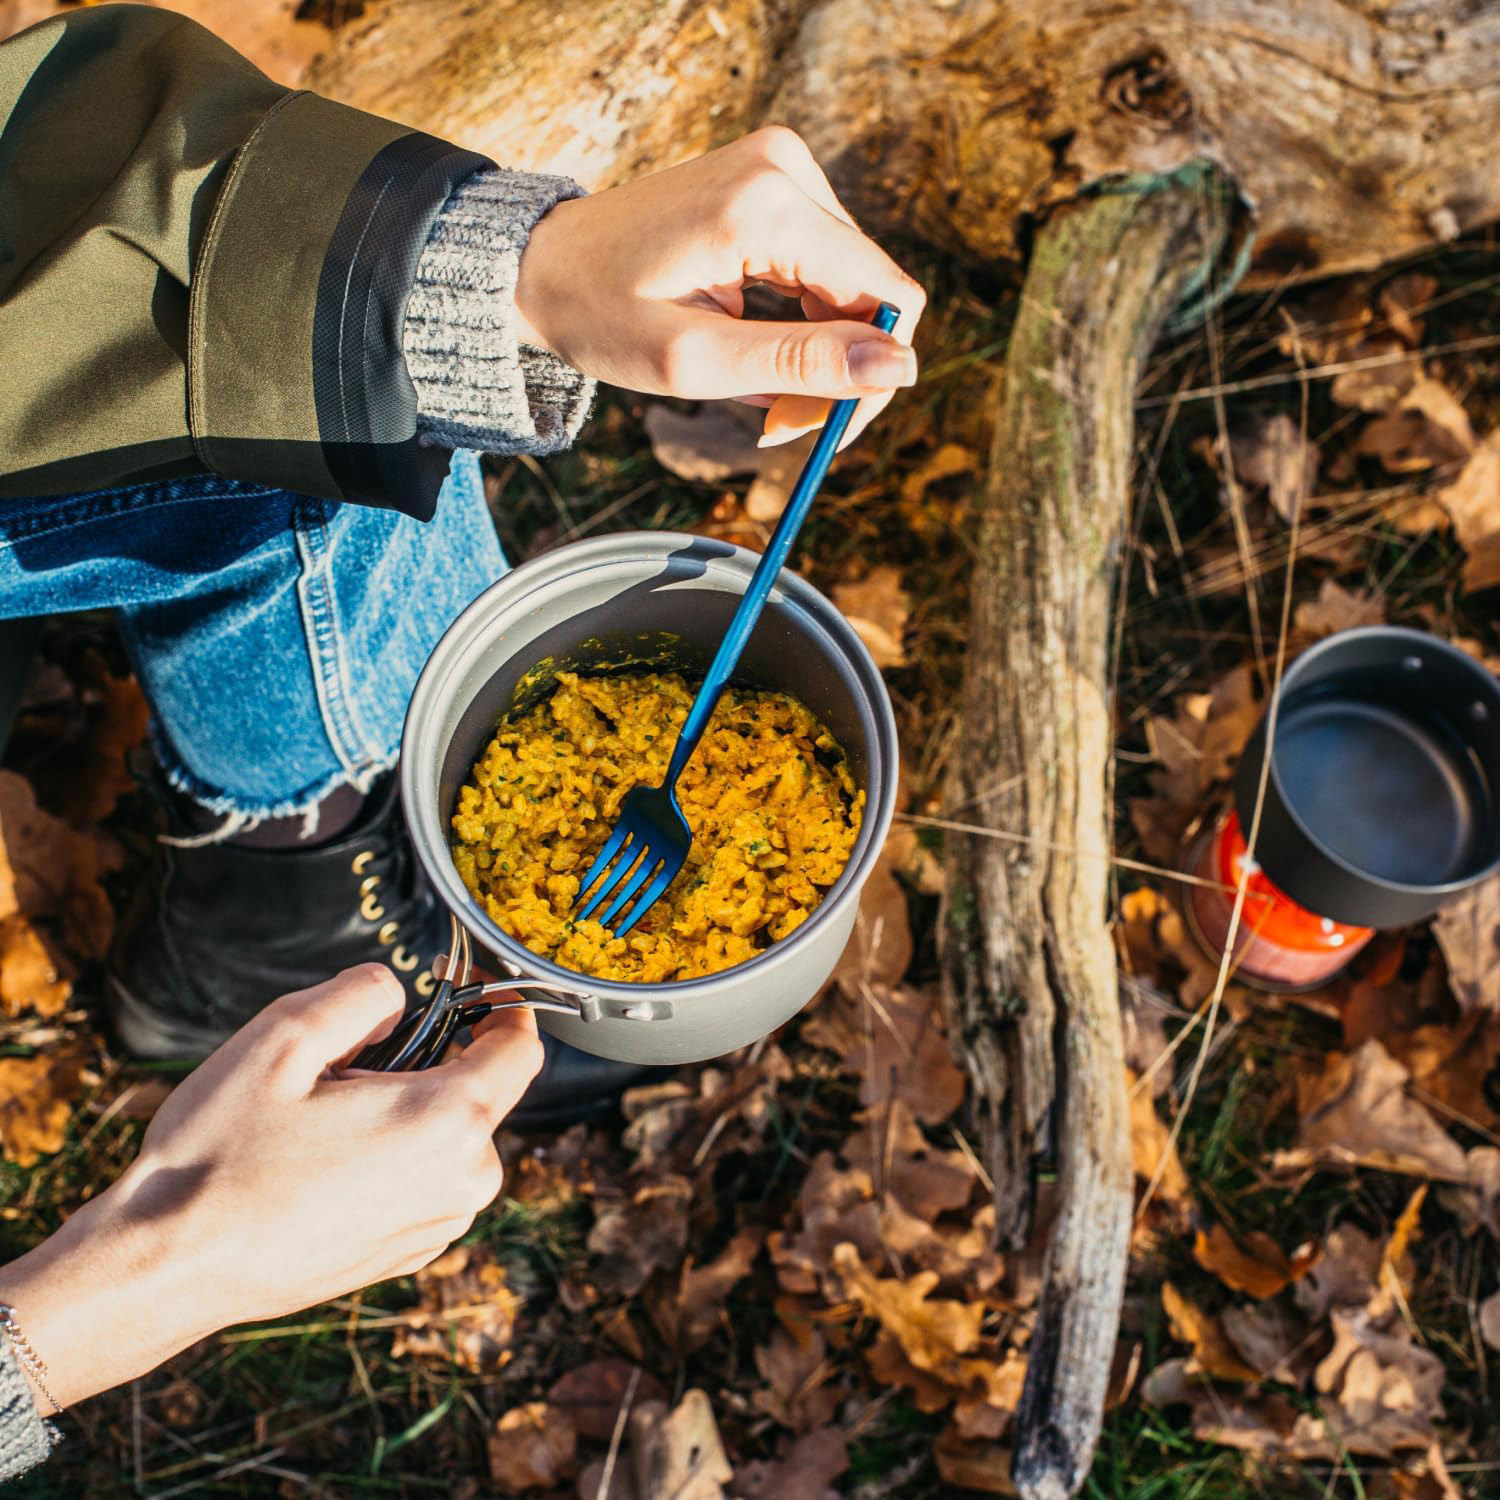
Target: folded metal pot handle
{"points": [[542, 994]]}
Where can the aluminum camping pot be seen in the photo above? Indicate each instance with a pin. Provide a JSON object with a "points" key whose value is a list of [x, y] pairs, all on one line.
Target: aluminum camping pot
{"points": [[1381, 796], [662, 601]]}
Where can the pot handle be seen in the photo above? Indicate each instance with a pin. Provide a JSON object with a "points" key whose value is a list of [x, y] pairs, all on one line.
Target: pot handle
{"points": [[550, 997]]}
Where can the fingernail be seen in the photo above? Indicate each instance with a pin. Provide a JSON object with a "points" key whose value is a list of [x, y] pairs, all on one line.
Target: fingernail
{"points": [[876, 363]]}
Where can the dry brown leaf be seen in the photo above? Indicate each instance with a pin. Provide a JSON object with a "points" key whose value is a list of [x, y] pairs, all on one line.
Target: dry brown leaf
{"points": [[1356, 1112], [898, 1159], [1457, 1066], [1387, 372], [1489, 1320], [591, 1395], [1144, 1012], [1275, 1343], [84, 776], [925, 516], [1269, 1424], [880, 947], [1156, 942], [837, 1207], [36, 1102], [687, 1315], [467, 1311], [1386, 1389], [1402, 299], [1427, 427], [1151, 1148], [1336, 609], [892, 1038], [1213, 1355], [963, 1258], [1327, 322], [31, 978], [983, 1467], [639, 1228], [728, 521], [1473, 502], [1271, 452], [1198, 746], [805, 1471], [797, 1372], [532, 1447], [878, 607], [678, 1455], [50, 870], [935, 1334], [1468, 932], [717, 442], [1254, 1263], [1345, 1273]]}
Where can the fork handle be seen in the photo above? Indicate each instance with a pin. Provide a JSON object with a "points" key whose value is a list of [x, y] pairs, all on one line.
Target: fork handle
{"points": [[732, 647]]}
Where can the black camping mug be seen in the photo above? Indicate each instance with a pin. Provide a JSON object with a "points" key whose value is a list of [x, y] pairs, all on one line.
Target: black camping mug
{"points": [[1380, 799]]}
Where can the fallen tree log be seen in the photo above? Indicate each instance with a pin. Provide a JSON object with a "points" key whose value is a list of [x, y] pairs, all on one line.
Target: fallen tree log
{"points": [[1030, 968], [1358, 130]]}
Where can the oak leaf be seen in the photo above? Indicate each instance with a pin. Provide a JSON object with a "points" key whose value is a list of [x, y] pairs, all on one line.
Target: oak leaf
{"points": [[1254, 1263], [1472, 500], [892, 1038], [467, 1312], [900, 1161], [1336, 608], [532, 1447], [640, 1227], [878, 607], [1273, 453], [720, 441], [687, 1315], [36, 1103], [592, 1395], [1467, 929], [670, 1455], [1356, 1112], [1198, 745], [804, 1471], [797, 1374], [1213, 1355], [879, 949]]}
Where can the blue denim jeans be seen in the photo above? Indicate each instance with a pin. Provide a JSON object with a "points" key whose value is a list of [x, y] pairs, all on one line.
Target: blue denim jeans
{"points": [[277, 637]]}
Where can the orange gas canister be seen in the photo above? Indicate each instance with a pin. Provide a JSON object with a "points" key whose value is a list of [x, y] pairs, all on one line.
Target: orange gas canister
{"points": [[1279, 945]]}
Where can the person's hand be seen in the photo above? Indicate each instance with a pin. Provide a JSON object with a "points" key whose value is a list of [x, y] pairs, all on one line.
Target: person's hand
{"points": [[271, 1180], [643, 286]]}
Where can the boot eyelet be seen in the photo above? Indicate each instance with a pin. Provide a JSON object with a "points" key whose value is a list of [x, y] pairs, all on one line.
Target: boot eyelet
{"points": [[368, 884], [361, 860], [370, 909], [387, 935], [424, 985], [402, 959]]}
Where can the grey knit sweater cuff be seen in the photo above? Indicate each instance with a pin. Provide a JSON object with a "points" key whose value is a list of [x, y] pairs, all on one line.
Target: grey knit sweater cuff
{"points": [[477, 387], [25, 1440]]}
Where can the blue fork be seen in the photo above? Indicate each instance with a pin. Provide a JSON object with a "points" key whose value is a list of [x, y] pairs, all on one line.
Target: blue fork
{"points": [[650, 842]]}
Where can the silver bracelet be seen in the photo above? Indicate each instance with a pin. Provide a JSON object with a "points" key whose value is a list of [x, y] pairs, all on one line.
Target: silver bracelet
{"points": [[34, 1364]]}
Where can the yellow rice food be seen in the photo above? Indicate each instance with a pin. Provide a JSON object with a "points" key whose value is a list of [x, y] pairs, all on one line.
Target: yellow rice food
{"points": [[772, 805]]}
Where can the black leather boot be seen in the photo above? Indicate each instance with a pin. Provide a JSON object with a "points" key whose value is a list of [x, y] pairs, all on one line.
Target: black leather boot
{"points": [[220, 930]]}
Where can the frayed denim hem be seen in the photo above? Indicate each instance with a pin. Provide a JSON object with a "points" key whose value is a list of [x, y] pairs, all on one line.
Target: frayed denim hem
{"points": [[239, 818]]}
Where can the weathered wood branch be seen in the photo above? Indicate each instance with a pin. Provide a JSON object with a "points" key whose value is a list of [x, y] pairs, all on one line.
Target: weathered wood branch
{"points": [[1026, 950]]}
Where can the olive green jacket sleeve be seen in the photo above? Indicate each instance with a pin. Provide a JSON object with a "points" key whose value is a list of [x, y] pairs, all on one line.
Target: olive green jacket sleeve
{"points": [[201, 269]]}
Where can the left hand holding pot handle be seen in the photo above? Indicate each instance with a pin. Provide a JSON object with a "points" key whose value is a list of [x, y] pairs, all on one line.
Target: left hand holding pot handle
{"points": [[269, 1181]]}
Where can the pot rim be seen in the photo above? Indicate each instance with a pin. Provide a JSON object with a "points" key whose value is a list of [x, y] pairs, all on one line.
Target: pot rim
{"points": [[467, 636], [1395, 634]]}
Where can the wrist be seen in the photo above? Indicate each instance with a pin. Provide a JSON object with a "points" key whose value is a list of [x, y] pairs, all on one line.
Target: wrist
{"points": [[535, 293], [108, 1297]]}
